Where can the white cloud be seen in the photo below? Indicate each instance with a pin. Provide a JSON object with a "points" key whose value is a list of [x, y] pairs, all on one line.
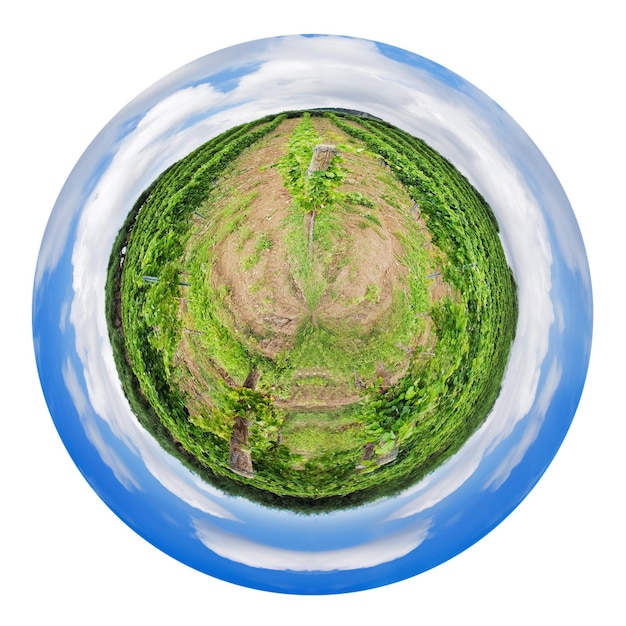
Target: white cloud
{"points": [[92, 431], [560, 316], [57, 231], [64, 315], [383, 550], [535, 421]]}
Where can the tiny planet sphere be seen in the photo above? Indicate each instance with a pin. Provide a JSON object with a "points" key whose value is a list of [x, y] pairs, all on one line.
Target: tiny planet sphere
{"points": [[312, 314]]}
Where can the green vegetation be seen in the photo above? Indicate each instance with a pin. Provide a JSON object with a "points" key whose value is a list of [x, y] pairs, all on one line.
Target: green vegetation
{"points": [[359, 336]]}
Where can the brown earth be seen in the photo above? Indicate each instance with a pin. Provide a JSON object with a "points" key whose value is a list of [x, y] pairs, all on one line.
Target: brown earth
{"points": [[267, 298], [266, 302]]}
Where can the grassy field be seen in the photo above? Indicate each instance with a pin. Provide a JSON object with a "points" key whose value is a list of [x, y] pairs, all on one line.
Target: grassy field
{"points": [[356, 320]]}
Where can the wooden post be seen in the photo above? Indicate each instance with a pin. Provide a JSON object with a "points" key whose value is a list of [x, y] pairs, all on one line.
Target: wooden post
{"points": [[322, 157]]}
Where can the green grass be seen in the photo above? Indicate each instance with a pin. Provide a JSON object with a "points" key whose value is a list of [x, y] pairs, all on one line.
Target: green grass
{"points": [[320, 434], [356, 198], [372, 293], [263, 243], [307, 460]]}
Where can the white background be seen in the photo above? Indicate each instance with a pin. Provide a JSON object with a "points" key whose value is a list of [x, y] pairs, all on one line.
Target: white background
{"points": [[557, 68]]}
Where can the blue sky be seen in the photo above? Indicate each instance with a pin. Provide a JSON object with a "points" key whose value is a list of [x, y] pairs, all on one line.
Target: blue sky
{"points": [[458, 503]]}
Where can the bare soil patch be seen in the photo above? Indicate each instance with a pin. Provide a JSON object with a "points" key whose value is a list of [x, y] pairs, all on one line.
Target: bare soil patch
{"points": [[265, 301], [266, 304]]}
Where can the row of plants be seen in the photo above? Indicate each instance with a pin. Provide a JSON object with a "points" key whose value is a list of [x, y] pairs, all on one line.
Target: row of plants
{"points": [[143, 320], [434, 409]]}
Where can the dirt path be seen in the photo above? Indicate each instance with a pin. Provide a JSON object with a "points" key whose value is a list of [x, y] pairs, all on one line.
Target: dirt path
{"points": [[266, 302]]}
